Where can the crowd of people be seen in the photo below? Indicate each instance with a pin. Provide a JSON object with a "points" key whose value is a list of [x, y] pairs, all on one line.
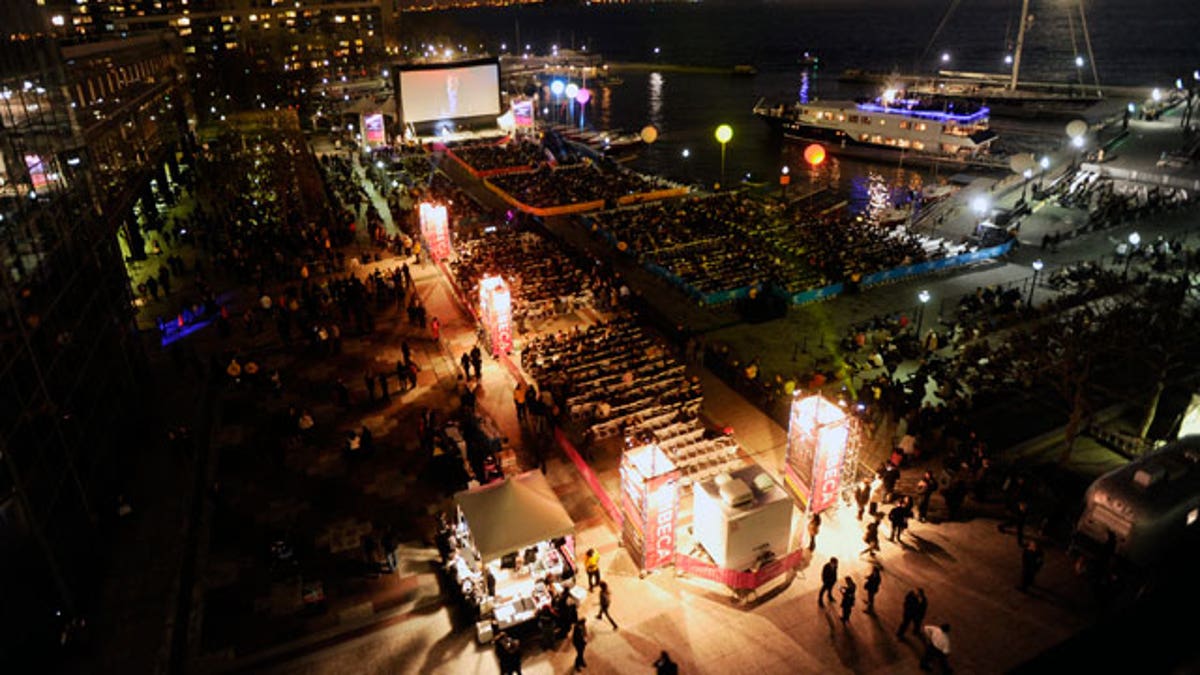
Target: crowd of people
{"points": [[617, 381], [727, 242], [548, 186], [512, 153], [542, 277]]}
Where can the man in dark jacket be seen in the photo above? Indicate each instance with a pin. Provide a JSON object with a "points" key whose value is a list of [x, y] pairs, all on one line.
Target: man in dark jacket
{"points": [[829, 575], [925, 490], [914, 612]]}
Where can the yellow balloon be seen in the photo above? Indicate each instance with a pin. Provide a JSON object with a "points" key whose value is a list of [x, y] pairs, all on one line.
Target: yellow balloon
{"points": [[724, 133], [649, 134]]}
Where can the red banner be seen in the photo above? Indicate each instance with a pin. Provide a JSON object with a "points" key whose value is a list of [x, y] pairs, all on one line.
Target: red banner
{"points": [[736, 579], [661, 508]]}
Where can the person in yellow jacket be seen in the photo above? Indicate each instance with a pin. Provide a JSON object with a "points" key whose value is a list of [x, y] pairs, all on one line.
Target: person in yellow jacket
{"points": [[591, 563]]}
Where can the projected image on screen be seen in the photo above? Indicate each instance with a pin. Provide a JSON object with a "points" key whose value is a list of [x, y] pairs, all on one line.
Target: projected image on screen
{"points": [[450, 93]]}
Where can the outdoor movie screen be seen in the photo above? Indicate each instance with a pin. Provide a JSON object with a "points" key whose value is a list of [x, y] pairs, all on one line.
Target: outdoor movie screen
{"points": [[428, 94]]}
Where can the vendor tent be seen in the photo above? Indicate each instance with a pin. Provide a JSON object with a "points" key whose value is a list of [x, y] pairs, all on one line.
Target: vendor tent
{"points": [[508, 516]]}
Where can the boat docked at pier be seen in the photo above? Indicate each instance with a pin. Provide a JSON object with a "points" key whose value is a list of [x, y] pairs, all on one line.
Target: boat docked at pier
{"points": [[891, 127]]}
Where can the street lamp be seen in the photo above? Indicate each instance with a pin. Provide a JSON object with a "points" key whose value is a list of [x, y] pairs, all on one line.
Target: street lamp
{"points": [[784, 178], [723, 134], [923, 296], [1134, 240], [1037, 269]]}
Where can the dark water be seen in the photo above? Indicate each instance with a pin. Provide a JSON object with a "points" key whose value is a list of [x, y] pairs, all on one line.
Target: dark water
{"points": [[1136, 42]]}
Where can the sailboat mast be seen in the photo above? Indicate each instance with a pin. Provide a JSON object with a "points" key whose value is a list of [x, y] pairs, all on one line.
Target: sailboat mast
{"points": [[1087, 40], [1020, 44]]}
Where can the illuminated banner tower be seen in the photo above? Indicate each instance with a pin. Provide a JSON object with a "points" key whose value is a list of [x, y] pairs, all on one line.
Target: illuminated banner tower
{"points": [[649, 503], [495, 310], [435, 229], [821, 452], [374, 130]]}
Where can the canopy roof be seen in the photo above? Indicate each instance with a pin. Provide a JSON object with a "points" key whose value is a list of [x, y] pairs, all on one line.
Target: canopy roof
{"points": [[516, 513]]}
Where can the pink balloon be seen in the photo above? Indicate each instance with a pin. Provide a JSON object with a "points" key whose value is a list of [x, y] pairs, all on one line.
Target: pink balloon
{"points": [[583, 96]]}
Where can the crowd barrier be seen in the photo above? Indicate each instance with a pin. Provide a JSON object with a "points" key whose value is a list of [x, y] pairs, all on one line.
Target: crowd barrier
{"points": [[653, 195], [544, 212], [737, 579], [814, 294], [589, 477]]}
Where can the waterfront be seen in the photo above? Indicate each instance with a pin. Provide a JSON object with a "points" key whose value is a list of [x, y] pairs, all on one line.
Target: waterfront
{"points": [[687, 103]]}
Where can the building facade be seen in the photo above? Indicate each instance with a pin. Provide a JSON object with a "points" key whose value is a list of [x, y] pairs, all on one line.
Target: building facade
{"points": [[87, 131]]}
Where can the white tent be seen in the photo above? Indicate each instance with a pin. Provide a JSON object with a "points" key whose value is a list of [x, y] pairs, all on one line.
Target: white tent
{"points": [[508, 516]]}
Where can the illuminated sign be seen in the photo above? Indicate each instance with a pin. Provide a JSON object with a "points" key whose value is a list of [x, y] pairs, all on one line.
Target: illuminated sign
{"points": [[522, 111], [660, 519], [435, 228], [495, 309], [818, 436], [374, 132]]}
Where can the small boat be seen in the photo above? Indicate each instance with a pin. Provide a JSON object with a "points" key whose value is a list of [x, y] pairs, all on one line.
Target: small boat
{"points": [[744, 69]]}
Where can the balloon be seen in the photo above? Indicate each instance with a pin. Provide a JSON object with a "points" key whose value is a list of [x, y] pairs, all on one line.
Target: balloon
{"points": [[622, 246], [571, 90], [649, 134], [1022, 162], [724, 133], [814, 154], [1076, 128], [583, 96]]}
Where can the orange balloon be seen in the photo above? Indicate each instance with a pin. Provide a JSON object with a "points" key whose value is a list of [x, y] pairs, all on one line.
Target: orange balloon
{"points": [[814, 154]]}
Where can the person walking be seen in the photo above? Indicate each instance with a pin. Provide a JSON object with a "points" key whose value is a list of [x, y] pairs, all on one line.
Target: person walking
{"points": [[508, 653], [871, 536], [849, 590], [814, 526], [435, 328], [383, 388], [937, 647], [1032, 560], [579, 641], [605, 603], [871, 586], [915, 605], [1016, 519], [591, 563], [828, 580], [466, 365]]}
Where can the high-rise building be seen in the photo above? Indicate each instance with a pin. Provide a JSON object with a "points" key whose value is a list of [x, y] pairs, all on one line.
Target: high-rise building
{"points": [[87, 131], [256, 52]]}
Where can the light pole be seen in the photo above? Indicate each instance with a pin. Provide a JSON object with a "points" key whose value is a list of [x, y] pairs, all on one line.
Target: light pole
{"points": [[784, 178], [686, 165], [1037, 269], [723, 134], [1134, 240], [1044, 162], [923, 296]]}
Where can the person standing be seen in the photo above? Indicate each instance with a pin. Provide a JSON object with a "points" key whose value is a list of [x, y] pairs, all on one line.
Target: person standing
{"points": [[1016, 519], [871, 535], [465, 361], [591, 563], [814, 527], [435, 328], [849, 590], [477, 361], [665, 666], [383, 388], [605, 602], [369, 383], [898, 518], [1032, 560], [937, 647], [925, 489], [862, 495], [871, 586], [579, 640], [519, 400], [828, 580]]}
